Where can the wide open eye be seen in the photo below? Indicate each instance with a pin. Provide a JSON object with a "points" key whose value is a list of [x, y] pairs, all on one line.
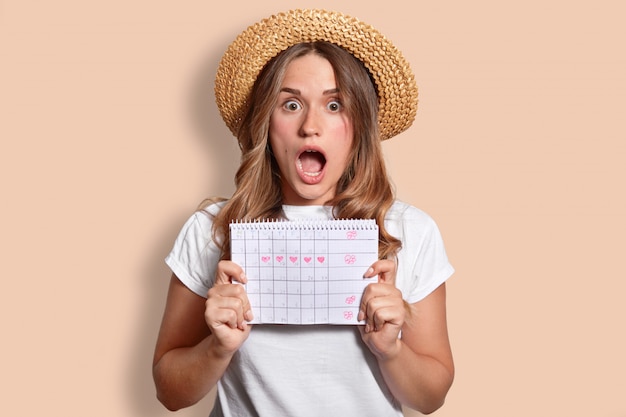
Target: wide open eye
{"points": [[334, 106], [292, 105]]}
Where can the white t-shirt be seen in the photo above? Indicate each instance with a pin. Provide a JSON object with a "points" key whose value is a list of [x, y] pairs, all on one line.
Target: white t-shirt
{"points": [[311, 370]]}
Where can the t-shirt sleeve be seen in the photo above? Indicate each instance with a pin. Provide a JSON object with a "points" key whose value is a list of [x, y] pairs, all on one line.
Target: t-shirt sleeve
{"points": [[432, 267], [194, 256], [424, 263]]}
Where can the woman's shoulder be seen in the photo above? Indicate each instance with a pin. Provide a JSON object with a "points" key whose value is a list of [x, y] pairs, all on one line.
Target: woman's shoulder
{"points": [[211, 207], [402, 211], [201, 220], [406, 220]]}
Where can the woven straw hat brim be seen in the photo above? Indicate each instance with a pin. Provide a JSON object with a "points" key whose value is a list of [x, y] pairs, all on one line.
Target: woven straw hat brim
{"points": [[252, 49]]}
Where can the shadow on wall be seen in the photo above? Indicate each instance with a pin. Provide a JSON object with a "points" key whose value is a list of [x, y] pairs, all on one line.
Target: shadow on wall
{"points": [[223, 160]]}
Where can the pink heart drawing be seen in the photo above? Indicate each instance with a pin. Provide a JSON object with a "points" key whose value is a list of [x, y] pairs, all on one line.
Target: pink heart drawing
{"points": [[279, 258], [350, 259], [351, 234], [293, 259], [321, 259], [265, 259], [307, 259], [351, 299], [348, 315]]}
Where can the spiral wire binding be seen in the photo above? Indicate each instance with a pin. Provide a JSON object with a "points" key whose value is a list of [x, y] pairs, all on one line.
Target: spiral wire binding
{"points": [[334, 224]]}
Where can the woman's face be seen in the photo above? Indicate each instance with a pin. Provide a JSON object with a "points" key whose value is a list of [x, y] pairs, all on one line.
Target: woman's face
{"points": [[310, 132]]}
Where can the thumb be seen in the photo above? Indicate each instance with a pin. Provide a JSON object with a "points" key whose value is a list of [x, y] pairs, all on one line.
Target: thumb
{"points": [[228, 271], [385, 269]]}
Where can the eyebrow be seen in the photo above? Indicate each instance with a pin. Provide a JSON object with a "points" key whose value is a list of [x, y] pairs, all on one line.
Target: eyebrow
{"points": [[298, 92]]}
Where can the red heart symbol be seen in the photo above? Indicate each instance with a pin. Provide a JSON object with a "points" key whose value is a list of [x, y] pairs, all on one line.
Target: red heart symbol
{"points": [[320, 259]]}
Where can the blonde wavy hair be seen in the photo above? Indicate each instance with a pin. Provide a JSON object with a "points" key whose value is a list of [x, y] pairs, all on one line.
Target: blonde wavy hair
{"points": [[364, 190]]}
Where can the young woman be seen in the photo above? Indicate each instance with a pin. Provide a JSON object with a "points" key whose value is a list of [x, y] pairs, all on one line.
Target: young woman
{"points": [[309, 127]]}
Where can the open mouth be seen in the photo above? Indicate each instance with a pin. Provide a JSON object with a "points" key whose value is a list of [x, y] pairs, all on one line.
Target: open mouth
{"points": [[311, 162]]}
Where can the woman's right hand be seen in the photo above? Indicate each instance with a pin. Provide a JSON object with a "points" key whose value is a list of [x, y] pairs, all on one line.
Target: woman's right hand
{"points": [[227, 308]]}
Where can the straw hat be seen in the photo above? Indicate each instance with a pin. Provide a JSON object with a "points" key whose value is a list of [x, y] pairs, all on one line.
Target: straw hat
{"points": [[253, 48]]}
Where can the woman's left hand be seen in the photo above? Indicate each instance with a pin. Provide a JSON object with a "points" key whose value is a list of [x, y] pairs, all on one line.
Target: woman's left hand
{"points": [[383, 310]]}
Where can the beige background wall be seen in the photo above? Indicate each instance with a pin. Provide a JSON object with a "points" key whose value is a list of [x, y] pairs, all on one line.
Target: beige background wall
{"points": [[110, 137]]}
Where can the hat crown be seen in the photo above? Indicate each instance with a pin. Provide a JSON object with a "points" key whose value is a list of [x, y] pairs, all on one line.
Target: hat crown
{"points": [[254, 47]]}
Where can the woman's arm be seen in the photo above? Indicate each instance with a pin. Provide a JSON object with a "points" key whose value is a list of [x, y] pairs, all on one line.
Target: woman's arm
{"points": [[197, 339], [417, 367]]}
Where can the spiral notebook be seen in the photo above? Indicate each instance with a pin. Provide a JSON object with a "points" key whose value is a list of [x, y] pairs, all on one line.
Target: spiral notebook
{"points": [[305, 272]]}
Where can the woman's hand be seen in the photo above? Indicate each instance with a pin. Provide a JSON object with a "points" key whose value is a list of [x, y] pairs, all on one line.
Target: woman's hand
{"points": [[227, 308], [383, 310]]}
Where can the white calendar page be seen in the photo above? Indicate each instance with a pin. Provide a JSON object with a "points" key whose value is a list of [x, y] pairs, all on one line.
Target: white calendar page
{"points": [[305, 272]]}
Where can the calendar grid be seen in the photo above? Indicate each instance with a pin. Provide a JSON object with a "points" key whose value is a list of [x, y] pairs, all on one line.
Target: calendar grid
{"points": [[305, 272]]}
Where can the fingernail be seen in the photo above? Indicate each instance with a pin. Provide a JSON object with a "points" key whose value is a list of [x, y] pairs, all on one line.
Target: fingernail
{"points": [[248, 315], [369, 272], [360, 316]]}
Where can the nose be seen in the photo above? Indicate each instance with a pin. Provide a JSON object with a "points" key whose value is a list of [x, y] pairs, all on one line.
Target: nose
{"points": [[311, 124]]}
